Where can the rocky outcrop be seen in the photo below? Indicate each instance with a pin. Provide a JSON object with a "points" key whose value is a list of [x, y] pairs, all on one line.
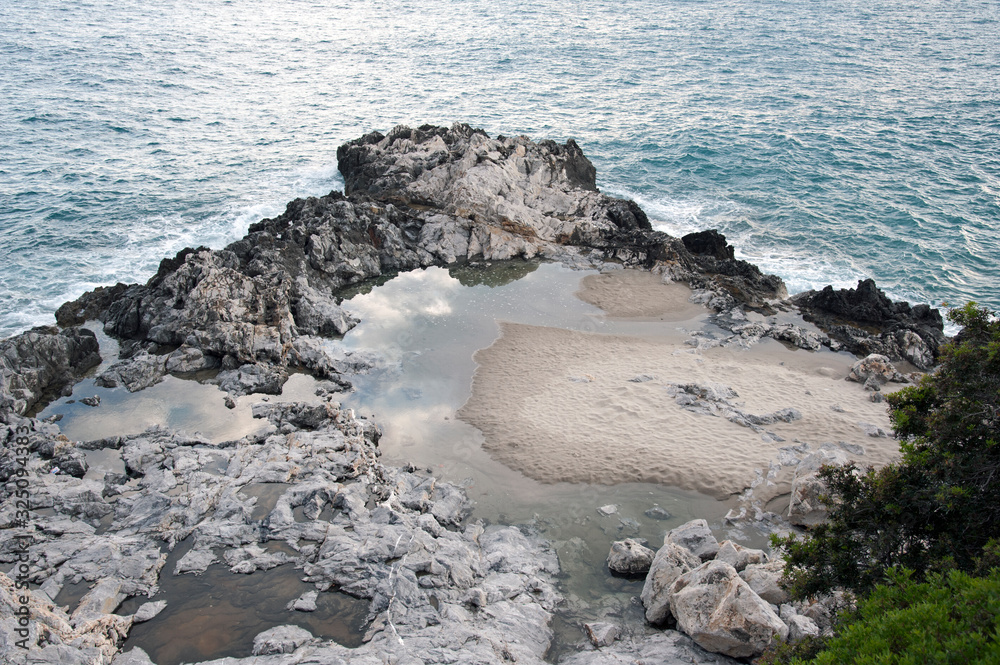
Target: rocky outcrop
{"points": [[414, 197], [436, 583], [43, 361], [867, 322], [437, 196]]}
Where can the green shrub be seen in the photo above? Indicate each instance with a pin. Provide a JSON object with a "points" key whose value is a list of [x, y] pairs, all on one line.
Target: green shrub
{"points": [[936, 508], [951, 618]]}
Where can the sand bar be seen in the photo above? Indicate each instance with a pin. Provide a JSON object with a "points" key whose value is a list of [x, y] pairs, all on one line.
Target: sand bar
{"points": [[561, 405]]}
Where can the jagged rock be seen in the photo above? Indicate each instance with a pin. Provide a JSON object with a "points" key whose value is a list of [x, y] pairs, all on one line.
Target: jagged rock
{"points": [[71, 462], [709, 243], [696, 537], [254, 378], [765, 580], [739, 557], [894, 329], [136, 373], [305, 603], [875, 370], [189, 359], [671, 561], [801, 627], [280, 639], [666, 647], [629, 557], [601, 634], [91, 401], [43, 361], [721, 612], [806, 507]]}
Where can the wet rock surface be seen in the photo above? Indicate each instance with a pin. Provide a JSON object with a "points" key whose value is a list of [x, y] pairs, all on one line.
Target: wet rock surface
{"points": [[398, 539]]}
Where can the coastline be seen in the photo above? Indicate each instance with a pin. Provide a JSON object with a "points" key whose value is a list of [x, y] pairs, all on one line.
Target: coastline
{"points": [[263, 307]]}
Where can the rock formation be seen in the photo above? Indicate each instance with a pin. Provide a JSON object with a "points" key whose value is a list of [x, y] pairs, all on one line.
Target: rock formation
{"points": [[440, 588]]}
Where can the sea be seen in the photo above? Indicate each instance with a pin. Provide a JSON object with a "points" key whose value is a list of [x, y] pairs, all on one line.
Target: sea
{"points": [[829, 140]]}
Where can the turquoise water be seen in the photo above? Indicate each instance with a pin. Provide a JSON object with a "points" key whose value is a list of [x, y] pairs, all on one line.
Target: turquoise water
{"points": [[830, 140]]}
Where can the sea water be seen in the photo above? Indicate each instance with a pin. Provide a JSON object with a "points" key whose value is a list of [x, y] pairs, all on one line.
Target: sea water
{"points": [[828, 140]]}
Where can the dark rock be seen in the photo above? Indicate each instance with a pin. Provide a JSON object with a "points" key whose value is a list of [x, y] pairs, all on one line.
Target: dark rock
{"points": [[709, 243], [866, 321], [658, 513], [71, 462], [43, 361]]}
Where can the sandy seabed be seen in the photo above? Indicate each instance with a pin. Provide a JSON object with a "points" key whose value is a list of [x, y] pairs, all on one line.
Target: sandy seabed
{"points": [[561, 405]]}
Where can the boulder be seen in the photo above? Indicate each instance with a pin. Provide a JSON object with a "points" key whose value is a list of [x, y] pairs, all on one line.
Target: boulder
{"points": [[43, 361], [671, 561], [253, 378], [696, 537], [739, 557], [875, 370], [801, 627], [709, 243], [601, 633], [765, 580], [722, 614], [188, 359], [629, 557], [136, 373], [806, 506]]}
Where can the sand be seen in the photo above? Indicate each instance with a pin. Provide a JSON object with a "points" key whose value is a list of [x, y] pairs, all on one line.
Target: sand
{"points": [[639, 296], [560, 405]]}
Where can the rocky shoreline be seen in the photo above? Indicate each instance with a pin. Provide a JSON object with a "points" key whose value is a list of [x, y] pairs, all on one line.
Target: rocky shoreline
{"points": [[438, 585]]}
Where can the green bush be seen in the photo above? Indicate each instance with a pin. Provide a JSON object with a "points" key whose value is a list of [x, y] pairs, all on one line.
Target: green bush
{"points": [[940, 504], [951, 618]]}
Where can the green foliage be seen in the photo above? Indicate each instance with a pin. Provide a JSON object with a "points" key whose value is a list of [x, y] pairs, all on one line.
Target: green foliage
{"points": [[939, 506], [951, 618]]}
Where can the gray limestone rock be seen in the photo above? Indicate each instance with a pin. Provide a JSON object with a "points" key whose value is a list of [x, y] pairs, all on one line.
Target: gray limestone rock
{"points": [[739, 557], [696, 537], [280, 639], [671, 561], [668, 647], [136, 373], [253, 378], [601, 633], [42, 361], [148, 611], [765, 580], [721, 612], [188, 359], [630, 557]]}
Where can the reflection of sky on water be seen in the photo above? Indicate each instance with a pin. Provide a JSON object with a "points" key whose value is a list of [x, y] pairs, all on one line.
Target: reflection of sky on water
{"points": [[423, 328], [429, 325]]}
